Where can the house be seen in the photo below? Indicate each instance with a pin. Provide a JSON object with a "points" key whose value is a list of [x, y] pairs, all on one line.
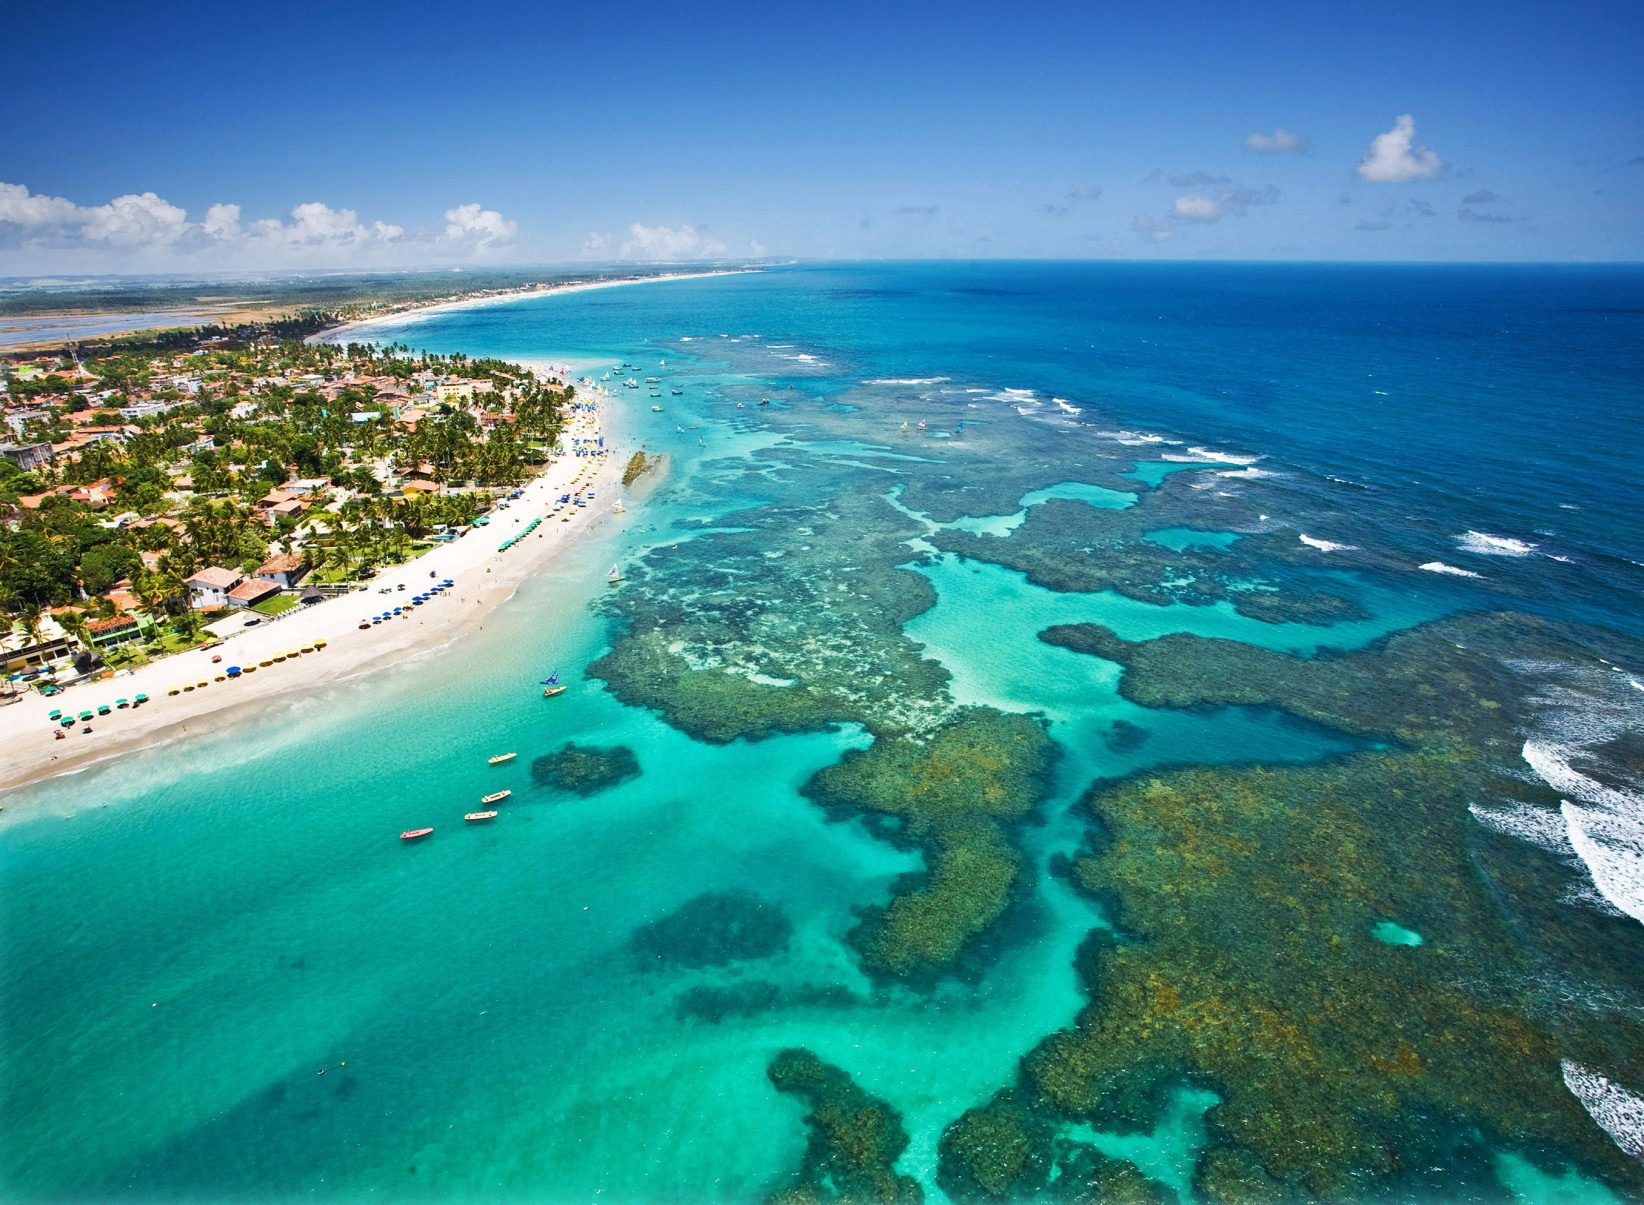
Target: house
{"points": [[106, 633], [251, 591], [209, 587], [420, 486], [27, 457], [285, 569]]}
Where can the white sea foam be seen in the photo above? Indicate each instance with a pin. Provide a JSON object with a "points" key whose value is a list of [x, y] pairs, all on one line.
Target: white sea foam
{"points": [[1248, 473], [1485, 544], [1323, 545], [1604, 824], [1536, 825], [1067, 405], [1026, 410], [1441, 567], [1135, 439], [1618, 1112], [913, 381]]}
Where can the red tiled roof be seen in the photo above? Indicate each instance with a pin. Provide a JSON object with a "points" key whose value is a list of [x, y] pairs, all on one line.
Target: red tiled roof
{"points": [[222, 579]]}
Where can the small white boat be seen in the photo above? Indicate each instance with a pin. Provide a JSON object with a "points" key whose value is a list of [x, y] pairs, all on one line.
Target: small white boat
{"points": [[657, 409], [495, 797], [618, 507], [615, 575], [473, 816], [502, 757]]}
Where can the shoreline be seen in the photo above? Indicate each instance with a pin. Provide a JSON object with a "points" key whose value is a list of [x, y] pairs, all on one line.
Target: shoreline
{"points": [[418, 310], [485, 577]]}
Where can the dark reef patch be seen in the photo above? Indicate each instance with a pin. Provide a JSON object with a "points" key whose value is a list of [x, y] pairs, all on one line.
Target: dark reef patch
{"points": [[956, 795], [751, 997], [714, 929], [585, 769], [855, 1138], [1244, 899], [1008, 1149]]}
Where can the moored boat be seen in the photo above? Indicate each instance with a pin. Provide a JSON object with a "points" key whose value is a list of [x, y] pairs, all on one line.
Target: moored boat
{"points": [[549, 692], [496, 797], [414, 834], [502, 757], [472, 816]]}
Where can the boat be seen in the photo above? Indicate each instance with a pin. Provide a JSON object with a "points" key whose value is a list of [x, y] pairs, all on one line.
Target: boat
{"points": [[764, 401], [473, 816], [618, 508], [677, 392], [502, 757], [549, 692], [496, 797], [657, 409], [615, 575], [740, 406], [414, 834]]}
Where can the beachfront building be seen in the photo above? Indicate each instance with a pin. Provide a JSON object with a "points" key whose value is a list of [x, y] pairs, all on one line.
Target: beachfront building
{"points": [[285, 569], [107, 633], [209, 587], [251, 591]]}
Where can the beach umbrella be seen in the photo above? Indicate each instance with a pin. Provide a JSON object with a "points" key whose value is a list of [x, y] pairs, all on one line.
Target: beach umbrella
{"points": [[85, 715], [56, 712], [122, 702], [142, 698]]}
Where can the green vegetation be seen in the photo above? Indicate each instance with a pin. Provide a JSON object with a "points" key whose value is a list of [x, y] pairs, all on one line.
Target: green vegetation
{"points": [[715, 929], [585, 769], [855, 1139], [278, 605], [221, 448]]}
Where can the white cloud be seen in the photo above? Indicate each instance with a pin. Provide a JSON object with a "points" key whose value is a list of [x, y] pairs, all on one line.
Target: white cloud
{"points": [[315, 226], [668, 243], [145, 228], [1279, 142], [1153, 230], [1085, 192], [1211, 207], [134, 220], [755, 247], [485, 228], [222, 222], [596, 246], [1196, 207], [33, 211], [1396, 157]]}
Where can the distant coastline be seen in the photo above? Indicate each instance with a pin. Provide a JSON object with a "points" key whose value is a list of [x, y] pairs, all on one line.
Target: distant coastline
{"points": [[420, 309]]}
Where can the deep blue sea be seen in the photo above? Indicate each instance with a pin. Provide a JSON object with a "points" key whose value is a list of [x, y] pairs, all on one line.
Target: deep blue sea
{"points": [[193, 934]]}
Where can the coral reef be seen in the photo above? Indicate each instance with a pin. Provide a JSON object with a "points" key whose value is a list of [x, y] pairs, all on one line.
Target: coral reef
{"points": [[953, 795], [855, 1138], [1246, 899], [714, 929], [585, 769]]}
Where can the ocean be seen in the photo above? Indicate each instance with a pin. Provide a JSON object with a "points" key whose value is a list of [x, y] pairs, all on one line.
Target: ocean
{"points": [[1150, 728]]}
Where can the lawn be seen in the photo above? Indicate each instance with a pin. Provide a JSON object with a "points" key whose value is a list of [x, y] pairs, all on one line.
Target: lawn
{"points": [[278, 605]]}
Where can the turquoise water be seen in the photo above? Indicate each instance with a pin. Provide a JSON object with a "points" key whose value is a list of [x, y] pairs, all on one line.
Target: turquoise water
{"points": [[194, 934]]}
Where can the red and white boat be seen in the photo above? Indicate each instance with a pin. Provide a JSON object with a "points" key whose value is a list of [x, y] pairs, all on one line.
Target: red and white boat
{"points": [[413, 834]]}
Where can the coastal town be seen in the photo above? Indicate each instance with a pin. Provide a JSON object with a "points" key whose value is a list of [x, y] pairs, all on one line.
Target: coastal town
{"points": [[158, 497]]}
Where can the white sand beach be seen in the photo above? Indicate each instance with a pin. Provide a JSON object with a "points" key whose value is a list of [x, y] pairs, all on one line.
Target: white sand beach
{"points": [[484, 576]]}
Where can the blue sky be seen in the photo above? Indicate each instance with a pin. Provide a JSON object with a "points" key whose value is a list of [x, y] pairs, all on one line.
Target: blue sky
{"points": [[416, 133]]}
